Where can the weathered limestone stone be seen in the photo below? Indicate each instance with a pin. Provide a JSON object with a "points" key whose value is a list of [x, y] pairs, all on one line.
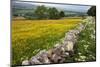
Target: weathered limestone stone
{"points": [[63, 48], [81, 27], [55, 58], [65, 54], [34, 60], [75, 31], [44, 58], [70, 37], [69, 46], [50, 53], [25, 62], [57, 50]]}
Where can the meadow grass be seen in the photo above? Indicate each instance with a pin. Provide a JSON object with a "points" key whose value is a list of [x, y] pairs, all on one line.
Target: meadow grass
{"points": [[31, 36]]}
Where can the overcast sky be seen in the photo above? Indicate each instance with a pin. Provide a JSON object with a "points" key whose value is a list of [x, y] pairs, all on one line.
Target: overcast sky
{"points": [[80, 8]]}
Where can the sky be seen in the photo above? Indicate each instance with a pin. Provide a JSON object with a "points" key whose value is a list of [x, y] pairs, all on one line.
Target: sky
{"points": [[79, 8]]}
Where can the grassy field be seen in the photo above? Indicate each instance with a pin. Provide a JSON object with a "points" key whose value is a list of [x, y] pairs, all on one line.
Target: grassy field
{"points": [[31, 36]]}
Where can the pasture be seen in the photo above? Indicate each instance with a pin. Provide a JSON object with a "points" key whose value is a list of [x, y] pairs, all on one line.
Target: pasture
{"points": [[31, 36]]}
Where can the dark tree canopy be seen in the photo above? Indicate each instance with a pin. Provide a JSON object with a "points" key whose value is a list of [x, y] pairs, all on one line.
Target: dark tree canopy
{"points": [[53, 13], [92, 11], [62, 14], [41, 12]]}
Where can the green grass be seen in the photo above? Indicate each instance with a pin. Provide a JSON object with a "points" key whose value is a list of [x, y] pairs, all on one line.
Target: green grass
{"points": [[31, 36]]}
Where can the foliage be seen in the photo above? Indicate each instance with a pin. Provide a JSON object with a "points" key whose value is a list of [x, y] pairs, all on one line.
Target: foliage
{"points": [[86, 45], [53, 13], [92, 11], [41, 12], [62, 14]]}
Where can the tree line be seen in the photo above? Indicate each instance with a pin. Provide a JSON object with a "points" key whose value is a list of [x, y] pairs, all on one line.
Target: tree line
{"points": [[42, 12]]}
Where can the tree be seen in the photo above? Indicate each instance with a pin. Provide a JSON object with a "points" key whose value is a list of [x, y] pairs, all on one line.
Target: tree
{"points": [[62, 14], [92, 11], [53, 13], [41, 12]]}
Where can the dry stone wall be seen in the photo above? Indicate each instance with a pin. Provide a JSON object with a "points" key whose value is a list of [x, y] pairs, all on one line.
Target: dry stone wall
{"points": [[59, 52]]}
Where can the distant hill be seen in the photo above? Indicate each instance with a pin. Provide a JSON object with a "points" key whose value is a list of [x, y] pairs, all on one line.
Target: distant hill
{"points": [[22, 5], [26, 7]]}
